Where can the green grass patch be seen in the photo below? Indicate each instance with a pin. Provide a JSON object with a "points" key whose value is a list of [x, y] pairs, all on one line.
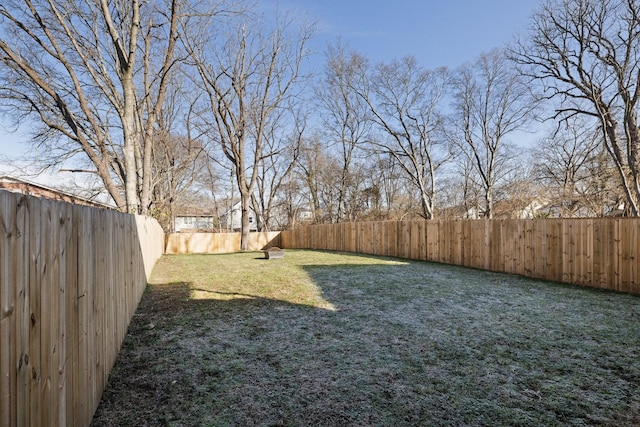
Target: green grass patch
{"points": [[322, 338]]}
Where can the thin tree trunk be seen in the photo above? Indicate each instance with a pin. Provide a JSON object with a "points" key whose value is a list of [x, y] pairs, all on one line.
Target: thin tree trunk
{"points": [[245, 242]]}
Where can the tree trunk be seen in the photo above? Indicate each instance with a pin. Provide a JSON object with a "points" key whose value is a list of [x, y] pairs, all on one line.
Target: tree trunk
{"points": [[611, 134], [245, 231], [126, 59], [131, 179], [427, 205], [488, 199], [631, 123]]}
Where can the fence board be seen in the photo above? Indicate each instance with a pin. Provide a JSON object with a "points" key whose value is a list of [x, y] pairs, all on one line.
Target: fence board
{"points": [[68, 277], [422, 240], [8, 310], [433, 251], [71, 320], [22, 319], [626, 244], [35, 303], [606, 242], [496, 260], [378, 243], [539, 249], [46, 315]]}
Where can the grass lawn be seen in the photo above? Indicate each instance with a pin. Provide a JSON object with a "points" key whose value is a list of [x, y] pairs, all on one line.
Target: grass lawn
{"points": [[334, 339]]}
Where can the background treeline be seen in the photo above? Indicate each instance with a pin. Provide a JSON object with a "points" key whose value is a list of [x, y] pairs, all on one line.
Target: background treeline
{"points": [[187, 107]]}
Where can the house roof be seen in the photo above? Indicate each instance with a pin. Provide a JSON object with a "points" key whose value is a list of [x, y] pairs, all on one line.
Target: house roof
{"points": [[23, 186]]}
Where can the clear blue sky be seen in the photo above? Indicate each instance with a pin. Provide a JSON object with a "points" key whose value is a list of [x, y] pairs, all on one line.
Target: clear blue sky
{"points": [[438, 33]]}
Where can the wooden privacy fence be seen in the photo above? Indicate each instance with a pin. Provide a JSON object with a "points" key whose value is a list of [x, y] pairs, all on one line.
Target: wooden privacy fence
{"points": [[70, 280], [217, 243], [600, 252]]}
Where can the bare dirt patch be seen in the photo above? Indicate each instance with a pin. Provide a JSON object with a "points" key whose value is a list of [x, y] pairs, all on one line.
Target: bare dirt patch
{"points": [[321, 338]]}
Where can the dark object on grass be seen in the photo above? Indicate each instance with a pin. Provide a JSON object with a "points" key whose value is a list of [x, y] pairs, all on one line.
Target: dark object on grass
{"points": [[273, 253]]}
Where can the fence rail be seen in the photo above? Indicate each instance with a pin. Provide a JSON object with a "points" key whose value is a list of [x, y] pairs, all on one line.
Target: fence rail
{"points": [[217, 243], [70, 280], [600, 252]]}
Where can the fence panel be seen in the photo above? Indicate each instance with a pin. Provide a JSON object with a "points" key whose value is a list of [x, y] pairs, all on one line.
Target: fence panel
{"points": [[70, 279], [603, 252], [217, 243]]}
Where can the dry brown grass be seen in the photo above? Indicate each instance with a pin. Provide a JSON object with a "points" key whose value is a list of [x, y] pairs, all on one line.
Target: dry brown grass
{"points": [[322, 338]]}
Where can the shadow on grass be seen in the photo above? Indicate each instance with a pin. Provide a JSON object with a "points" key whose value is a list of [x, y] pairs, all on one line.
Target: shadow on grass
{"points": [[409, 343], [184, 357]]}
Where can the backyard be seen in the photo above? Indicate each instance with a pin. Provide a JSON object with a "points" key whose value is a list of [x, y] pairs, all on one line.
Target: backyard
{"points": [[337, 339]]}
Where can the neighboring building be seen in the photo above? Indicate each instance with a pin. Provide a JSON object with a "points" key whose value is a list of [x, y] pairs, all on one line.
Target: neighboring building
{"points": [[523, 209], [456, 212], [202, 222], [533, 209], [231, 219], [22, 186], [305, 215]]}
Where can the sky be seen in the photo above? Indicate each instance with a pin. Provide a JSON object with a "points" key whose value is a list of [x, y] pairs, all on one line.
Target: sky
{"points": [[438, 33]]}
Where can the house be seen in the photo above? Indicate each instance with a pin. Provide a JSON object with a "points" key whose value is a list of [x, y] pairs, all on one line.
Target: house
{"points": [[502, 209], [193, 222], [531, 209], [22, 186], [231, 219], [305, 215], [205, 221]]}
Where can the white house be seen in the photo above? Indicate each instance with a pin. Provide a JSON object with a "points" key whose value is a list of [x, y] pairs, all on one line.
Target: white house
{"points": [[231, 219], [518, 209], [193, 222]]}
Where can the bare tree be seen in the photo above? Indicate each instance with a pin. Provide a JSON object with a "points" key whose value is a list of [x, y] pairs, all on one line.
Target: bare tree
{"points": [[293, 203], [159, 62], [491, 103], [404, 99], [388, 188], [317, 170], [248, 74], [180, 169], [320, 169], [346, 119], [73, 67], [585, 53], [178, 159], [573, 167], [460, 193], [519, 195], [274, 171]]}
